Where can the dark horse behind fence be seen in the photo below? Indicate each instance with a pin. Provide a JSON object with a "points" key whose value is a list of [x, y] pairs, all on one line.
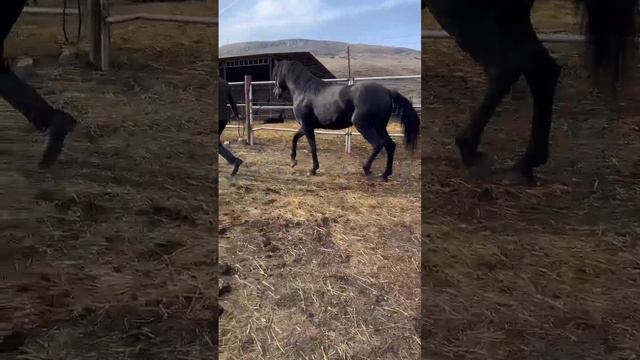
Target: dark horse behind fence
{"points": [[499, 36], [275, 119], [367, 105]]}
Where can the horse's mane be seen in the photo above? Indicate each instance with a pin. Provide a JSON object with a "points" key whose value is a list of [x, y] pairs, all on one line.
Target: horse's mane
{"points": [[298, 74]]}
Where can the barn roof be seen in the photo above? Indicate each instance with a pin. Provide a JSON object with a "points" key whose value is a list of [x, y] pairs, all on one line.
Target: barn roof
{"points": [[305, 57]]}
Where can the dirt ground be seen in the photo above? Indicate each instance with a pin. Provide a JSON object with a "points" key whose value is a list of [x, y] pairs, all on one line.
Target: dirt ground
{"points": [[115, 260], [323, 267], [548, 272]]}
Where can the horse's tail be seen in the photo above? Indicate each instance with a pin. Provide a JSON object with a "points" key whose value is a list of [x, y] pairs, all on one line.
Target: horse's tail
{"points": [[610, 28], [408, 118]]}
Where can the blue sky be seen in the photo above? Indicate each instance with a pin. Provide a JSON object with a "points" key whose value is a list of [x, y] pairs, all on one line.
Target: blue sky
{"points": [[374, 22]]}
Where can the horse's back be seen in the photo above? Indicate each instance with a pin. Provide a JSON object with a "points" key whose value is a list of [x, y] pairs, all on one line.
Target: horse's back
{"points": [[336, 106], [485, 29], [370, 96]]}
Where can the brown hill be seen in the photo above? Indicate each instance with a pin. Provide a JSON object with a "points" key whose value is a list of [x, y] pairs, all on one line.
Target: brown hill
{"points": [[366, 60]]}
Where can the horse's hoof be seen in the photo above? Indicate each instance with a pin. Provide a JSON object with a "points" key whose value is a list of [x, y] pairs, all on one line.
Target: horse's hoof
{"points": [[61, 125], [236, 166], [294, 163], [518, 176], [312, 172], [385, 178], [366, 171], [481, 167]]}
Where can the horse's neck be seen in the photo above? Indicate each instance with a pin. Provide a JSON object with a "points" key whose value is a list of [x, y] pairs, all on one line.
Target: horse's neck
{"points": [[305, 84]]}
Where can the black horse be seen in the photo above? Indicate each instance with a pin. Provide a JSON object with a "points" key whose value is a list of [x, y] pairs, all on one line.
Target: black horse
{"points": [[22, 97], [225, 98], [367, 105], [275, 119], [499, 36]]}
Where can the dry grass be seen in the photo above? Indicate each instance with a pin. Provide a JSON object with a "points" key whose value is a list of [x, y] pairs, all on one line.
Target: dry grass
{"points": [[549, 272], [321, 267], [115, 259], [384, 65]]}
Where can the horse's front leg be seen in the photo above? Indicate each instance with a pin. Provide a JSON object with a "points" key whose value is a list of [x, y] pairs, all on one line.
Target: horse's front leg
{"points": [[311, 138], [294, 146]]}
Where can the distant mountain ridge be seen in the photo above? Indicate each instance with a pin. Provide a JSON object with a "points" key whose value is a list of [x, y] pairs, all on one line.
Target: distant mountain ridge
{"points": [[320, 48]]}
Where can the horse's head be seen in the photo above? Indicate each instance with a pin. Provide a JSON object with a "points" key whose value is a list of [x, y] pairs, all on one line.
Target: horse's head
{"points": [[278, 76]]}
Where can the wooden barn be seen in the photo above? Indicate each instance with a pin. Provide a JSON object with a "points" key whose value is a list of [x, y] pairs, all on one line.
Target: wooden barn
{"points": [[234, 68]]}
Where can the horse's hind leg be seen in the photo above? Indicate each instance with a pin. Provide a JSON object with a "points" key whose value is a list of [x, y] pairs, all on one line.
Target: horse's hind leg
{"points": [[390, 146], [378, 138], [495, 45], [377, 143], [542, 78], [375, 150], [294, 146], [311, 138], [468, 140]]}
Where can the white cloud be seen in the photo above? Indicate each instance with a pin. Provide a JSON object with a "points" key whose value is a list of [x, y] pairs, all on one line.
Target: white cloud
{"points": [[289, 16]]}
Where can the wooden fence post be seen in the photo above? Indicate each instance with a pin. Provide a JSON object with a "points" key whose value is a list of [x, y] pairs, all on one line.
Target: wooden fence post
{"points": [[99, 33], [347, 144], [93, 9], [247, 109], [349, 133], [105, 36]]}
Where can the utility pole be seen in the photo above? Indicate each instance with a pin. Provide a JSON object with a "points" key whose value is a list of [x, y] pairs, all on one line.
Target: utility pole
{"points": [[349, 133], [349, 64]]}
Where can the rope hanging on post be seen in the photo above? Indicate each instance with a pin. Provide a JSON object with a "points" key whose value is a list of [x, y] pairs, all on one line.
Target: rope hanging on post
{"points": [[64, 23], [240, 129]]}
